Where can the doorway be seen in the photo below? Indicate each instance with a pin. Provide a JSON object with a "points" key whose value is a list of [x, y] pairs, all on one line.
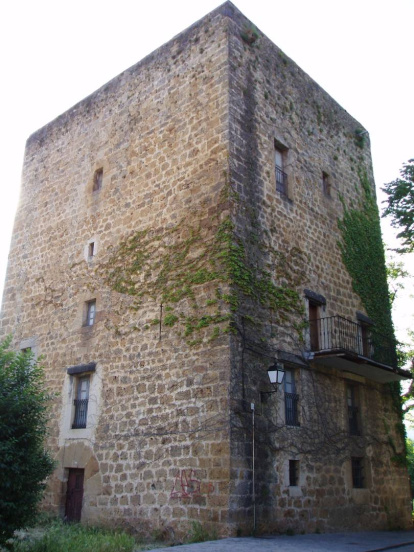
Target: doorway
{"points": [[74, 495]]}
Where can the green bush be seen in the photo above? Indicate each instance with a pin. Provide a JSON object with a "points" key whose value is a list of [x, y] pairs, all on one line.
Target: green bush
{"points": [[24, 462]]}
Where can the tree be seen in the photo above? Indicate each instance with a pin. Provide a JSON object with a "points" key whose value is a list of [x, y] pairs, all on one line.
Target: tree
{"points": [[395, 276], [410, 463], [400, 206], [24, 462]]}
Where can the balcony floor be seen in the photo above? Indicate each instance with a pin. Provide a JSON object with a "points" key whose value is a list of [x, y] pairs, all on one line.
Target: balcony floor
{"points": [[362, 366]]}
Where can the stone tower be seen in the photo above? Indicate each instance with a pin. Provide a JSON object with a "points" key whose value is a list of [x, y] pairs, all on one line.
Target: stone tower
{"points": [[208, 214]]}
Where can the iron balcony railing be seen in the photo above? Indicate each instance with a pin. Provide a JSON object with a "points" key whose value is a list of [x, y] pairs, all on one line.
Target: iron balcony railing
{"points": [[291, 409], [81, 413], [281, 181], [338, 333]]}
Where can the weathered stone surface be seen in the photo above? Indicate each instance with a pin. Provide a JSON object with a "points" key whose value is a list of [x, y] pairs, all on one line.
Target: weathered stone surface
{"points": [[186, 142]]}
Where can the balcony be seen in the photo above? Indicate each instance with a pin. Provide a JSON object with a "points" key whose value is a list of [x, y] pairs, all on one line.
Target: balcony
{"points": [[346, 345]]}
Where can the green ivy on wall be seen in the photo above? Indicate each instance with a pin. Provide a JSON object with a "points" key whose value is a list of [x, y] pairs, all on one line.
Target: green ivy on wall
{"points": [[363, 256], [168, 266]]}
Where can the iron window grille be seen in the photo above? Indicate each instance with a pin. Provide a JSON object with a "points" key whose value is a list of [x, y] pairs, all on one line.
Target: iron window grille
{"points": [[281, 181], [291, 409], [81, 413]]}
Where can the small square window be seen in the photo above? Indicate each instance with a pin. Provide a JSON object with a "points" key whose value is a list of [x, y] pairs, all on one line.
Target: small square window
{"points": [[97, 180], [326, 184], [358, 476], [293, 473], [90, 312]]}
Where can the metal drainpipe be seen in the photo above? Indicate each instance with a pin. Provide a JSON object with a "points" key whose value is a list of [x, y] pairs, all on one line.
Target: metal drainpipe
{"points": [[253, 486]]}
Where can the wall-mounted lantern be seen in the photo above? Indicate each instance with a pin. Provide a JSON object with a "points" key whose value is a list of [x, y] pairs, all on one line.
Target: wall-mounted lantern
{"points": [[276, 374]]}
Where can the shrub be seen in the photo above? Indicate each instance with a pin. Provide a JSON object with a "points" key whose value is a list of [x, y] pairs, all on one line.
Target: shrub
{"points": [[24, 463], [199, 533]]}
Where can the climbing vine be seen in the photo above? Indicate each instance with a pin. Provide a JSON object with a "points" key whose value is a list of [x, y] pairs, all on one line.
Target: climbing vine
{"points": [[201, 274], [363, 255]]}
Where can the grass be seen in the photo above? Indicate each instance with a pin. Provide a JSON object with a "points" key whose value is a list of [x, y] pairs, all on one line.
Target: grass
{"points": [[199, 533], [53, 535], [64, 537]]}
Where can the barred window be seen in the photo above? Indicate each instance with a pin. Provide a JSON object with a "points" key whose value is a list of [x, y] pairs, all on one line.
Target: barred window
{"points": [[281, 176], [81, 402], [291, 399]]}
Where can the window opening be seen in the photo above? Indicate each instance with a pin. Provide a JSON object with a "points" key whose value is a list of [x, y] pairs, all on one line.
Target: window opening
{"points": [[291, 399], [353, 409], [97, 180], [91, 250], [358, 478], [293, 473], [81, 402], [326, 185], [281, 176], [90, 312]]}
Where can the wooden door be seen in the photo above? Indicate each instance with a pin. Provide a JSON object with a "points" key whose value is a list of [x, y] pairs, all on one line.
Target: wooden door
{"points": [[74, 495], [314, 325]]}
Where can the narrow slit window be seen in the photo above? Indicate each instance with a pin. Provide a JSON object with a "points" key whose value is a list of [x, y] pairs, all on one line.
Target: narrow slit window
{"points": [[291, 399], [90, 313], [293, 473], [326, 184], [91, 250], [97, 180], [353, 410], [81, 403], [358, 476], [281, 176]]}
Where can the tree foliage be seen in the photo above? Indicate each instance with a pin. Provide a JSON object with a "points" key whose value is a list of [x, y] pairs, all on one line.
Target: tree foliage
{"points": [[24, 462], [410, 463], [400, 206], [395, 276]]}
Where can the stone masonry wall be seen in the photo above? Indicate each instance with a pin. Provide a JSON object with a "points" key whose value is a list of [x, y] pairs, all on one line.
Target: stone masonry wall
{"points": [[186, 142], [155, 450], [294, 237]]}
